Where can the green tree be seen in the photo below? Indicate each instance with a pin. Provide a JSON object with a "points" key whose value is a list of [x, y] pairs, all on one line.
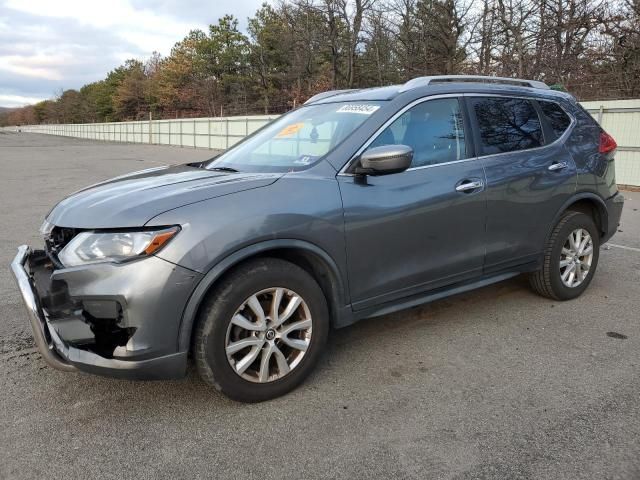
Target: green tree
{"points": [[180, 77], [45, 112], [227, 61], [268, 55], [131, 99], [69, 106]]}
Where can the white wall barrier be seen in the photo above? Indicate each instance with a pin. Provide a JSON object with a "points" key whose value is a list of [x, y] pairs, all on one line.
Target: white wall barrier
{"points": [[217, 133], [621, 118]]}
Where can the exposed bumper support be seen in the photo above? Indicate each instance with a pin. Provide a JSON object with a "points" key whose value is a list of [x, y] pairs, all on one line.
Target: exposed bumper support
{"points": [[60, 355], [36, 316]]}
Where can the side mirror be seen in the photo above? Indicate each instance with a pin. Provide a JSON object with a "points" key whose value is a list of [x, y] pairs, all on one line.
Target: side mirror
{"points": [[385, 160]]}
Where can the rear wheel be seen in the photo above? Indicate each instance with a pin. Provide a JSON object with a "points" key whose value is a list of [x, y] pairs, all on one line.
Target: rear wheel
{"points": [[570, 258], [261, 331]]}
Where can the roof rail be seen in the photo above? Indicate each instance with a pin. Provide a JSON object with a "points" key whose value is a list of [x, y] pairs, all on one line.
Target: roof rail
{"points": [[330, 93], [424, 81]]}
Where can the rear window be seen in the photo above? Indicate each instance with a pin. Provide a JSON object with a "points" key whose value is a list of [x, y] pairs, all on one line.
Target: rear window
{"points": [[556, 116], [507, 125]]}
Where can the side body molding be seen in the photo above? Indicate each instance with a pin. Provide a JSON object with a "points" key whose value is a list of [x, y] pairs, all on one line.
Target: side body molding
{"points": [[191, 310]]}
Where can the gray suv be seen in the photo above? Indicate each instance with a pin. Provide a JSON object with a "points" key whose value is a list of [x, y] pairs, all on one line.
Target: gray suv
{"points": [[357, 204]]}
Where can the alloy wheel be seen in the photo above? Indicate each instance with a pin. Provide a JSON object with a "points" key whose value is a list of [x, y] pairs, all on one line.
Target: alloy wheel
{"points": [[576, 258], [268, 335]]}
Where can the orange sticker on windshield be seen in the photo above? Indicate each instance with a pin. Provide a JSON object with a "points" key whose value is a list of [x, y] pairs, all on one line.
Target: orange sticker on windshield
{"points": [[290, 130]]}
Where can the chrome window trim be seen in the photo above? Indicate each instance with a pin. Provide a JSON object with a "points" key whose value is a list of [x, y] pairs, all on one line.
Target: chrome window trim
{"points": [[441, 164], [377, 133]]}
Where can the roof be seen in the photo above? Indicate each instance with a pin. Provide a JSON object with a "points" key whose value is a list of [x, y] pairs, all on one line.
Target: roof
{"points": [[440, 84]]}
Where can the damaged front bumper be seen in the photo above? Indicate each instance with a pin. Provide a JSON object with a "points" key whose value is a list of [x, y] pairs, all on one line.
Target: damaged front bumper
{"points": [[114, 320]]}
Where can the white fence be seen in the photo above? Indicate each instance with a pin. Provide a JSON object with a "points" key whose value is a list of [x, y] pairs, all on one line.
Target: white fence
{"points": [[216, 133], [620, 118]]}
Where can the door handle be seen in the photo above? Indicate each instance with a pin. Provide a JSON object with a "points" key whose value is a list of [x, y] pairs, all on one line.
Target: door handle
{"points": [[558, 166], [468, 186]]}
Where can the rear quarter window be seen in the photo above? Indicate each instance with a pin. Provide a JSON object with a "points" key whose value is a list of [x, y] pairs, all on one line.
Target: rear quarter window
{"points": [[507, 124], [556, 116]]}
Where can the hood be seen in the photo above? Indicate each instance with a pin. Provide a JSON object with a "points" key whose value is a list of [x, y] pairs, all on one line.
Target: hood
{"points": [[132, 200]]}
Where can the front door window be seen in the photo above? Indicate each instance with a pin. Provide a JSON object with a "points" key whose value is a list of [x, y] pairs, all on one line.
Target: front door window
{"points": [[433, 129]]}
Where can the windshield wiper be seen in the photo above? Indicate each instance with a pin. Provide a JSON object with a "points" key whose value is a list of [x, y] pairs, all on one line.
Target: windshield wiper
{"points": [[225, 169]]}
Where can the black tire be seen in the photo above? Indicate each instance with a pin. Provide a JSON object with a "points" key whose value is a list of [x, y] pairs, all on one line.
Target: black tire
{"points": [[547, 281], [223, 302]]}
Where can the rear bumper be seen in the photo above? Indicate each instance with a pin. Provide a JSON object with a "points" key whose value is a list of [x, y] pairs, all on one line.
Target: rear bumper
{"points": [[61, 355], [614, 213]]}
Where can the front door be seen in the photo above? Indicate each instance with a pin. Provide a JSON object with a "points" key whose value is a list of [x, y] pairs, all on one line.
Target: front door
{"points": [[423, 228]]}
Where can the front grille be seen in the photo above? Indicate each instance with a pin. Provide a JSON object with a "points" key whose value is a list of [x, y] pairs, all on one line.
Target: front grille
{"points": [[57, 240]]}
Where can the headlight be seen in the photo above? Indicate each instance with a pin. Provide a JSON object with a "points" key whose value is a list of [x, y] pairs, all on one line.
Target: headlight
{"points": [[118, 247]]}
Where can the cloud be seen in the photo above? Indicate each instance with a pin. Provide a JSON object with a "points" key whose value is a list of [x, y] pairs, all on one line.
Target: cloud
{"points": [[198, 10], [46, 46], [117, 16], [17, 100]]}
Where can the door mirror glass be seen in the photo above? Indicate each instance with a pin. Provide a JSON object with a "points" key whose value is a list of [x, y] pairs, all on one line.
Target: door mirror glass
{"points": [[385, 160]]}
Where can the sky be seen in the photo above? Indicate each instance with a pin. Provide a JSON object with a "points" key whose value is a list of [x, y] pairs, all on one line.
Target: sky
{"points": [[50, 45]]}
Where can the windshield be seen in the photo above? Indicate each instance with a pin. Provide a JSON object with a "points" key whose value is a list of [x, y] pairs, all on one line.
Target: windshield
{"points": [[297, 140]]}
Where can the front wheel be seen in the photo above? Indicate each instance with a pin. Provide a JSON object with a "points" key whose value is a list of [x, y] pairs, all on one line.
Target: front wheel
{"points": [[570, 258], [261, 331]]}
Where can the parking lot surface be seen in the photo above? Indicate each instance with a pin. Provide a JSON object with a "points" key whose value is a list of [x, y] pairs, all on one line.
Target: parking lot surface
{"points": [[498, 383]]}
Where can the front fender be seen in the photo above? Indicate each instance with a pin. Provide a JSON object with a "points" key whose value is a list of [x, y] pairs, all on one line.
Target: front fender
{"points": [[200, 292]]}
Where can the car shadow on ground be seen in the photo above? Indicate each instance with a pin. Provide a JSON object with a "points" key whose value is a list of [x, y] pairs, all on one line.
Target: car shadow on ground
{"points": [[369, 341]]}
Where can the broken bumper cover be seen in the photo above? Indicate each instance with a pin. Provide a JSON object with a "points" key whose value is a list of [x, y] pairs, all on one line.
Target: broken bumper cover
{"points": [[62, 355]]}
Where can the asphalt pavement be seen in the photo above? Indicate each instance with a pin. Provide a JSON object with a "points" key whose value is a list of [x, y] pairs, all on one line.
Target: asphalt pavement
{"points": [[498, 383]]}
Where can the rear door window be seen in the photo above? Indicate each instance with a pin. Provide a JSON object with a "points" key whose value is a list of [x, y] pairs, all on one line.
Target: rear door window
{"points": [[556, 116], [507, 124]]}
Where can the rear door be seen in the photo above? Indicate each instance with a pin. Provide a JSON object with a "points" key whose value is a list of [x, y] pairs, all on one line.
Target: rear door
{"points": [[423, 228], [529, 173]]}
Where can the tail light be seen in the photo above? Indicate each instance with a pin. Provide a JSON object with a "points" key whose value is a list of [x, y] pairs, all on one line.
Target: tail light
{"points": [[607, 143]]}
